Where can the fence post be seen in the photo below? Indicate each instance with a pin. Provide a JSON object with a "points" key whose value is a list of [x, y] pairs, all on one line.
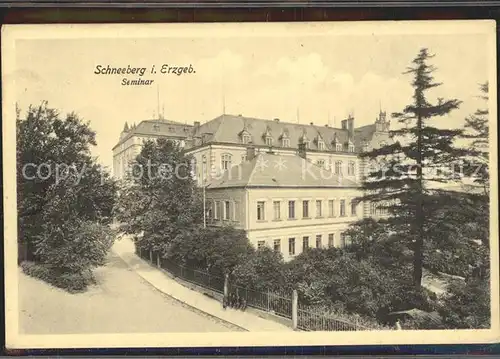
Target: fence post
{"points": [[295, 300], [158, 261], [268, 301], [151, 256], [226, 285], [140, 252]]}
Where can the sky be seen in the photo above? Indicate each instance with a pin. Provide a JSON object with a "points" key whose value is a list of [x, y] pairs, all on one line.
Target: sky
{"points": [[319, 78]]}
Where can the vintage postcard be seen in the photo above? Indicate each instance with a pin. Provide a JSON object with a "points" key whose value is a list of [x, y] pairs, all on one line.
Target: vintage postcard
{"points": [[194, 185]]}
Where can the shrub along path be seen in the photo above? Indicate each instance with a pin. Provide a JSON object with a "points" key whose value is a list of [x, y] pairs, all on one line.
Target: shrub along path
{"points": [[122, 302]]}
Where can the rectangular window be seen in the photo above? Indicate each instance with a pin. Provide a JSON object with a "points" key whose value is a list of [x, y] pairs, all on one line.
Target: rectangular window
{"points": [[261, 244], [331, 240], [236, 208], [291, 209], [343, 240], [260, 211], [291, 246], [226, 161], [276, 208], [227, 211], [351, 169], [320, 163], [216, 210], [318, 241], [319, 208], [353, 208], [277, 245], [338, 167], [331, 208], [305, 243], [373, 208], [342, 208], [305, 209]]}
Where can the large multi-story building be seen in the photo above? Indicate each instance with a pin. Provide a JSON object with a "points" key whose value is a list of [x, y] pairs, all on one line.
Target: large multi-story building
{"points": [[132, 138], [288, 185]]}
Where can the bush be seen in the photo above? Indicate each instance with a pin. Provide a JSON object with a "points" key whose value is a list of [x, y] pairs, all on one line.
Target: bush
{"points": [[71, 282], [467, 304], [261, 271], [74, 247]]}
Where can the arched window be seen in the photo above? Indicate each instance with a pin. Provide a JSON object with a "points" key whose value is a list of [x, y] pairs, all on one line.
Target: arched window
{"points": [[226, 161], [285, 142]]}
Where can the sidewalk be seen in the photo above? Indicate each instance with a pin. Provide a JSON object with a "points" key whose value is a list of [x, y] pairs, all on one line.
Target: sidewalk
{"points": [[124, 248]]}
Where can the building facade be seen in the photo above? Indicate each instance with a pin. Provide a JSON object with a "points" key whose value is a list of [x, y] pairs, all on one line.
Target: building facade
{"points": [[289, 186], [132, 138]]}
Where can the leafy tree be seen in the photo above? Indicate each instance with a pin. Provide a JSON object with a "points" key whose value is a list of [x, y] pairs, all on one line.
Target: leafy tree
{"points": [[65, 198], [216, 249], [413, 161], [160, 198], [262, 271]]}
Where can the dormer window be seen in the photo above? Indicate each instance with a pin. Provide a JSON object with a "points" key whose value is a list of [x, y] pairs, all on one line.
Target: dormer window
{"points": [[321, 145], [156, 127], [285, 139], [350, 147], [269, 141], [246, 138], [338, 147], [304, 140]]}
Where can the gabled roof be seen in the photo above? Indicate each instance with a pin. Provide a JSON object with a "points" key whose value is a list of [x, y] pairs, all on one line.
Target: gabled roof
{"points": [[159, 128], [226, 129], [272, 170]]}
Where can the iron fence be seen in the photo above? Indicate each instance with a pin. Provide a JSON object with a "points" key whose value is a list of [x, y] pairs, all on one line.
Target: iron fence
{"points": [[198, 277], [311, 319], [277, 302]]}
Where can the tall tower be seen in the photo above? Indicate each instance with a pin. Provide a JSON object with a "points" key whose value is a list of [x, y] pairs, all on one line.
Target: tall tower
{"points": [[381, 123]]}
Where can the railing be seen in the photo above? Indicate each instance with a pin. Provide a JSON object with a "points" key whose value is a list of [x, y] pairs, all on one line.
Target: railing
{"points": [[277, 302], [201, 278], [273, 302], [311, 320]]}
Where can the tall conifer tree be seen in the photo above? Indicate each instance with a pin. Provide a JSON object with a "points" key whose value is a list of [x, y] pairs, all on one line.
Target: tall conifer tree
{"points": [[412, 162]]}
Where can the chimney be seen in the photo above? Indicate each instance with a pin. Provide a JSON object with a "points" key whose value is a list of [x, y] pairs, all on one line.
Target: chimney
{"points": [[312, 123], [250, 152], [326, 125], [276, 120], [196, 124], [344, 124], [302, 150], [350, 125]]}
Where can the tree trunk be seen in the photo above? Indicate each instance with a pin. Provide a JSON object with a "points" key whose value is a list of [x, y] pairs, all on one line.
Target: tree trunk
{"points": [[418, 255]]}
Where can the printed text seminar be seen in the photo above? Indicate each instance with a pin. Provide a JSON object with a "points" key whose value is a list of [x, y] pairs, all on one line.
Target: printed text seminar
{"points": [[139, 72]]}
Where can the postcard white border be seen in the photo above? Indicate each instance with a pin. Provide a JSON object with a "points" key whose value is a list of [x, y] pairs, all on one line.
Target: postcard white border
{"points": [[14, 340]]}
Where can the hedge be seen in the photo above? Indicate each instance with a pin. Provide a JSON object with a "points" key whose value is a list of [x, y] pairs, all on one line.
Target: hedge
{"points": [[71, 282]]}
